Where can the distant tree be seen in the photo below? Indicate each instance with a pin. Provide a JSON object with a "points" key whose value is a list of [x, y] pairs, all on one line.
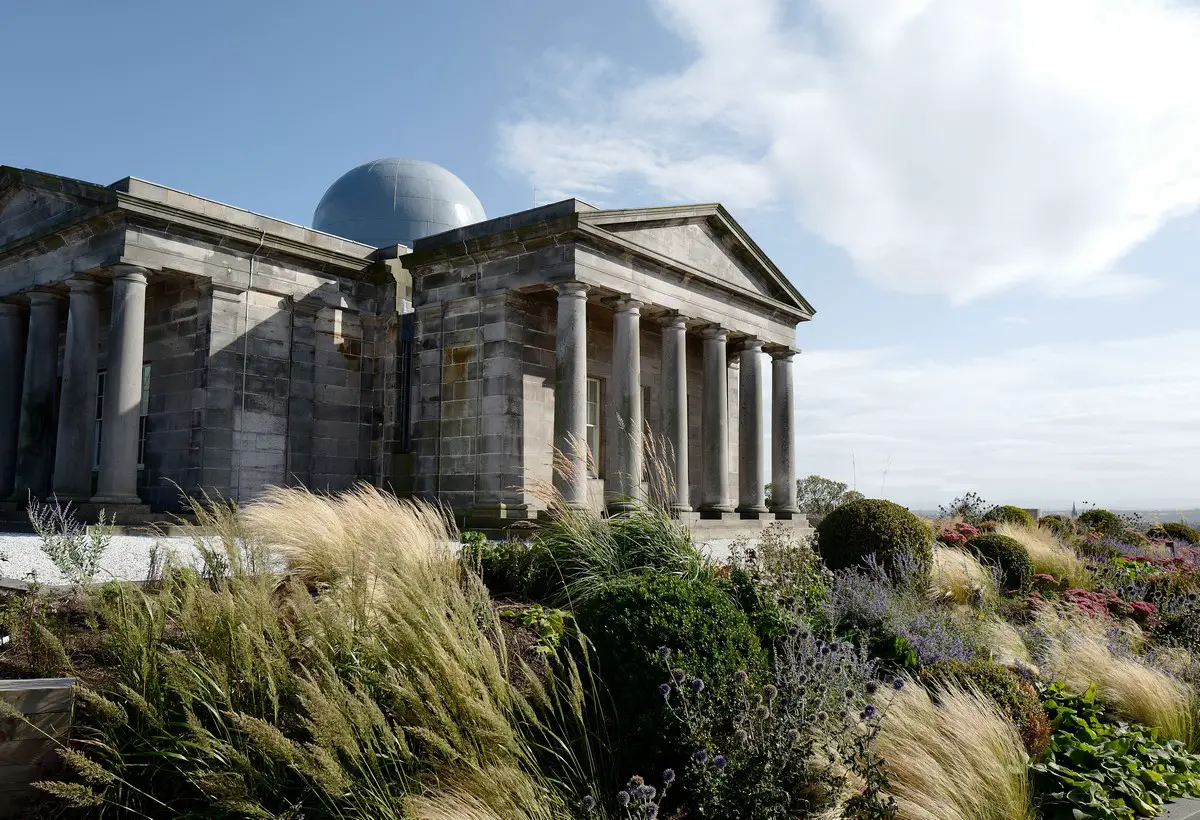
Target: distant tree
{"points": [[817, 496]]}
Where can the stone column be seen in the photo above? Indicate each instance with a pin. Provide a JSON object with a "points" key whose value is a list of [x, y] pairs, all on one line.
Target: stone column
{"points": [[751, 447], [123, 389], [674, 408], [624, 481], [35, 442], [77, 413], [12, 371], [570, 395], [783, 438], [715, 423]]}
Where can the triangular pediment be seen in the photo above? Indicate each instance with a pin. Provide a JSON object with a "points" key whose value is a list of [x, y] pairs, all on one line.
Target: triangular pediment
{"points": [[32, 203], [705, 239]]}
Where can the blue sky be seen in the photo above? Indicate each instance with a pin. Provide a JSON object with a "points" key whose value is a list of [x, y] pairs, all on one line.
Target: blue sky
{"points": [[992, 205]]}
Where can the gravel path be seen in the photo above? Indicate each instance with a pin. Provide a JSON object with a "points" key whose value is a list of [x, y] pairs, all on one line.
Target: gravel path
{"points": [[127, 558]]}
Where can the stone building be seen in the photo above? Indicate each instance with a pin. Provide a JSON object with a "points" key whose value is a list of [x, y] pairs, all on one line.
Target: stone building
{"points": [[153, 342]]}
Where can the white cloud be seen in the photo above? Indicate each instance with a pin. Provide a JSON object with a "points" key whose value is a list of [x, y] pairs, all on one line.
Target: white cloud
{"points": [[1114, 423], [949, 147]]}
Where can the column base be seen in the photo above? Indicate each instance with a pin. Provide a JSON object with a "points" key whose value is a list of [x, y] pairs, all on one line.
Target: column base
{"points": [[684, 514], [785, 513], [123, 500], [756, 515], [719, 514]]}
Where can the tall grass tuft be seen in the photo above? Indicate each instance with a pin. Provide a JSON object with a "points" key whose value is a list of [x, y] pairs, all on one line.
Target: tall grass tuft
{"points": [[371, 679], [1049, 555], [956, 759], [1079, 651], [958, 576]]}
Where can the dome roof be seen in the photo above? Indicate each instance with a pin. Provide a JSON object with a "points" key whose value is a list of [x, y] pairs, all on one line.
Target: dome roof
{"points": [[395, 201]]}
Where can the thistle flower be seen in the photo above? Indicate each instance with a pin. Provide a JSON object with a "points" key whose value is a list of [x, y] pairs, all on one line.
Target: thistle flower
{"points": [[668, 776], [872, 687], [898, 684], [741, 735], [697, 685], [623, 798], [762, 712], [849, 693], [700, 755], [664, 689], [740, 676], [771, 692], [589, 804], [793, 736], [679, 675], [720, 762], [664, 652], [651, 811], [869, 712], [647, 792]]}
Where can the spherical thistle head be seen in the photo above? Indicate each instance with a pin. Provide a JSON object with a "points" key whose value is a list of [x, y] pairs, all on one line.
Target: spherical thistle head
{"points": [[740, 676], [589, 804], [647, 792], [793, 736], [623, 798], [679, 675], [700, 755], [664, 652], [771, 692], [668, 776], [762, 712], [720, 762], [741, 735], [697, 685], [898, 684], [872, 687], [664, 689], [870, 712]]}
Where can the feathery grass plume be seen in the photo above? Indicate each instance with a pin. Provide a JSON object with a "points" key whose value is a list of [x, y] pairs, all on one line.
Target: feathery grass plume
{"points": [[1049, 555], [582, 550], [956, 759], [1005, 643], [1078, 651], [958, 576]]}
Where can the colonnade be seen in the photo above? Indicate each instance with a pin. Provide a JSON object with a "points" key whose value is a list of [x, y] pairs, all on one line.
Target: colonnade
{"points": [[38, 456], [624, 414]]}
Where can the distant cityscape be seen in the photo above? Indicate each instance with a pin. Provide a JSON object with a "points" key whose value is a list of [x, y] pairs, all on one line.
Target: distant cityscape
{"points": [[1161, 516]]}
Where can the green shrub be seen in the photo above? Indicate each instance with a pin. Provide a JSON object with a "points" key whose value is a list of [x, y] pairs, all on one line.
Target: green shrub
{"points": [[1181, 532], [1017, 698], [872, 526], [1133, 537], [1009, 554], [769, 619], [1101, 769], [1062, 527], [629, 621], [1008, 514], [1102, 521]]}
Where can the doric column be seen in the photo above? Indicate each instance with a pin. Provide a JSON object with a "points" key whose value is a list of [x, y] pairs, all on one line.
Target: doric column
{"points": [[117, 483], [35, 442], [783, 438], [623, 482], [715, 422], [751, 447], [570, 395], [77, 408], [12, 370], [674, 408]]}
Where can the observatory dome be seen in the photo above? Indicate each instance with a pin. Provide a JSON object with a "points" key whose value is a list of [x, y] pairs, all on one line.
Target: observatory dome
{"points": [[395, 201]]}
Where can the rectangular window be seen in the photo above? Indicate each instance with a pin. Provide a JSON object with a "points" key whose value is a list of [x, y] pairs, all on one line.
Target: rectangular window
{"points": [[595, 412], [143, 412]]}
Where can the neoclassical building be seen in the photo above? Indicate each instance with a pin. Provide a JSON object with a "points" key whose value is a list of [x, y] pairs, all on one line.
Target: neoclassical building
{"points": [[154, 342]]}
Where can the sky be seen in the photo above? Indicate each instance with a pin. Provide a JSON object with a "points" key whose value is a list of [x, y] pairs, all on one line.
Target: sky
{"points": [[992, 205]]}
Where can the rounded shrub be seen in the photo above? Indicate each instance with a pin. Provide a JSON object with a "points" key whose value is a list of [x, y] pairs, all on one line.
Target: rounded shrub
{"points": [[628, 622], [1062, 527], [1016, 570], [1008, 514], [1181, 532], [1102, 521], [872, 526], [1015, 697]]}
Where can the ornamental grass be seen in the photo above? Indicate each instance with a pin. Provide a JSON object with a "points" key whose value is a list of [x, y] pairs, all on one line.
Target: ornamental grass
{"points": [[1049, 555], [958, 576], [954, 759], [1081, 650]]}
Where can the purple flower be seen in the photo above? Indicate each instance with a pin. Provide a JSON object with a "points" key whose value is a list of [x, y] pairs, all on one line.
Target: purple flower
{"points": [[623, 798], [651, 811], [741, 736], [589, 804], [898, 684], [697, 685], [872, 687], [720, 762], [701, 755], [668, 776], [870, 712], [647, 792], [664, 689], [664, 653], [740, 676], [678, 675]]}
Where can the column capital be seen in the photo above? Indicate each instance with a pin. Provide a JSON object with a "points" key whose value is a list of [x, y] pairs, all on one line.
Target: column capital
{"points": [[132, 273], [626, 304], [43, 297], [750, 344], [572, 289], [674, 319], [714, 332], [11, 308], [84, 285], [781, 352]]}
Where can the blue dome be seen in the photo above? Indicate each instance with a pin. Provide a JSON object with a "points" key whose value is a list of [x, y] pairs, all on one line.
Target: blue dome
{"points": [[395, 201]]}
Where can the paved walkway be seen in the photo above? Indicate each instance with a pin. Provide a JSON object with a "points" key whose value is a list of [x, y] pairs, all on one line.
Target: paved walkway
{"points": [[127, 558], [1188, 809]]}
